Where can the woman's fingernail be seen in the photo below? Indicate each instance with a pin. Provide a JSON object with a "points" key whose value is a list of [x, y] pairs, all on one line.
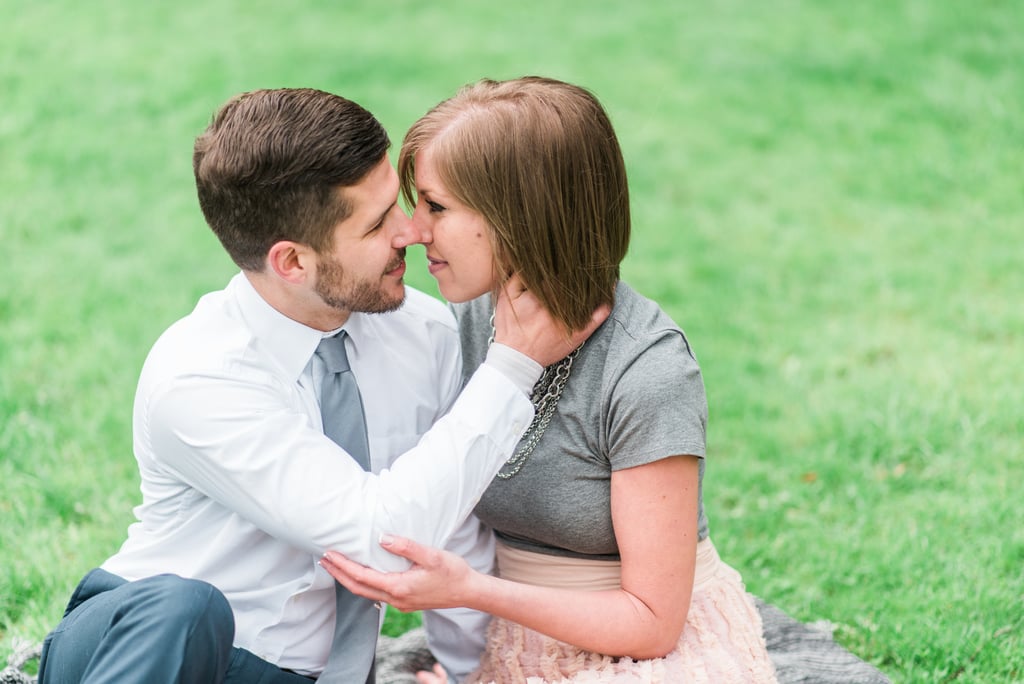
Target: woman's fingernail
{"points": [[386, 540]]}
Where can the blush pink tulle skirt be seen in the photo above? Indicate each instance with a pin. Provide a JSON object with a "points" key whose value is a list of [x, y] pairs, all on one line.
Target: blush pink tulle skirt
{"points": [[722, 641]]}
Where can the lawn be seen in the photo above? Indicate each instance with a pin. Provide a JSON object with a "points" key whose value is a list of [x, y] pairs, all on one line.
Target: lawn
{"points": [[827, 197]]}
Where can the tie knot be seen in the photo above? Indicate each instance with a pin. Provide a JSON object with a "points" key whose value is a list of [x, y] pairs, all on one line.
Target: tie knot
{"points": [[332, 351]]}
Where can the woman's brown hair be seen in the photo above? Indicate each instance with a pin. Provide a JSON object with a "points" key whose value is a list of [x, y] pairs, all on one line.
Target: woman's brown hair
{"points": [[539, 160]]}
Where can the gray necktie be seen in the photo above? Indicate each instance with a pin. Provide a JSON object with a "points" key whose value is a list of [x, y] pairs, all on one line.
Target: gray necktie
{"points": [[358, 621]]}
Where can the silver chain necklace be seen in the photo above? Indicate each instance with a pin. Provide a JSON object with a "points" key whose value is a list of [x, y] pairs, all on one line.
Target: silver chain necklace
{"points": [[546, 393]]}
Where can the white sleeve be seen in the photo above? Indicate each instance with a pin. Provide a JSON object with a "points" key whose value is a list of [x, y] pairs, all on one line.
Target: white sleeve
{"points": [[457, 636], [239, 443]]}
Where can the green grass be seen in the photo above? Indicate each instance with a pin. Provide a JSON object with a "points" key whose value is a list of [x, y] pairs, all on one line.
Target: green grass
{"points": [[827, 196]]}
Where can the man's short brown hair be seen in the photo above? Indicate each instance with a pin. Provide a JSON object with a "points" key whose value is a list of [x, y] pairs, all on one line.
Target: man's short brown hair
{"points": [[272, 164]]}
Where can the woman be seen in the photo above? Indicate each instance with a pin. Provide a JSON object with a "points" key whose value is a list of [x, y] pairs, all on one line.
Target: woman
{"points": [[605, 568]]}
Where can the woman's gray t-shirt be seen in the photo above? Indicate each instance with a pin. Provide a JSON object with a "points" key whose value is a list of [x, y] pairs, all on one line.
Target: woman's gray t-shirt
{"points": [[634, 396]]}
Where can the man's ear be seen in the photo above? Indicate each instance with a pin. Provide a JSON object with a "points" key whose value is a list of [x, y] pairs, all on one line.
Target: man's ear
{"points": [[293, 262]]}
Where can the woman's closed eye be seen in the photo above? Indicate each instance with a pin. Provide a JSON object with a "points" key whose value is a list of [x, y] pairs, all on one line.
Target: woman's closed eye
{"points": [[434, 206]]}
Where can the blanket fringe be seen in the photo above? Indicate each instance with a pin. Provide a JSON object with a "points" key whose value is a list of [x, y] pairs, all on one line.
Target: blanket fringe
{"points": [[24, 653]]}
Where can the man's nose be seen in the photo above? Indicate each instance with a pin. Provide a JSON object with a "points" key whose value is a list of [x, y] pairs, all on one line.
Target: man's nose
{"points": [[407, 232]]}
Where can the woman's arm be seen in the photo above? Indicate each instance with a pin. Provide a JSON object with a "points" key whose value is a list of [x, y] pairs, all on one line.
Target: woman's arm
{"points": [[654, 510]]}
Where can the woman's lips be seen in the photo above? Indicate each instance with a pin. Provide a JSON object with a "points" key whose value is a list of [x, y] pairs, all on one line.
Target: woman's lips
{"points": [[435, 265]]}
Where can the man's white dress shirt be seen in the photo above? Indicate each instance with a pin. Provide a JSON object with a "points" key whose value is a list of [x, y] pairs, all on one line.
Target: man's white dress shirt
{"points": [[241, 488]]}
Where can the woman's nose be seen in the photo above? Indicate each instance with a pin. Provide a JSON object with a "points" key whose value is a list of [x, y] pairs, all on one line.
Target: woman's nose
{"points": [[420, 228]]}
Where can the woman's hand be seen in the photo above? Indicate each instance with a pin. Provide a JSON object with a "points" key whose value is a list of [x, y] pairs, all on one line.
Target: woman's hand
{"points": [[437, 579]]}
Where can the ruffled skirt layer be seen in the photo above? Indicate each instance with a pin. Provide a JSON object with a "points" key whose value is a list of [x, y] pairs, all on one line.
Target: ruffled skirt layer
{"points": [[721, 643]]}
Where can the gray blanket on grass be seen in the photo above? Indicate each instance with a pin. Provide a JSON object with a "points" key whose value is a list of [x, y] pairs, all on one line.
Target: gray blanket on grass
{"points": [[802, 654]]}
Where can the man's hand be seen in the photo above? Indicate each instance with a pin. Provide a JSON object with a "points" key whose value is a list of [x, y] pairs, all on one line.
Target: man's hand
{"points": [[435, 676], [437, 579], [522, 323]]}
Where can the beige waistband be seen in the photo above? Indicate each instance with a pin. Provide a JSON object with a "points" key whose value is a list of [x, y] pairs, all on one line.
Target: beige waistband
{"points": [[583, 574]]}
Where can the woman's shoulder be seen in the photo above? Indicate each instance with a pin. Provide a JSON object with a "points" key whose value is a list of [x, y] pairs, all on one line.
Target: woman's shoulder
{"points": [[641, 325]]}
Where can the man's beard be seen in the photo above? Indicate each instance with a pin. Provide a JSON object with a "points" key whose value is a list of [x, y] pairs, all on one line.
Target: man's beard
{"points": [[362, 296]]}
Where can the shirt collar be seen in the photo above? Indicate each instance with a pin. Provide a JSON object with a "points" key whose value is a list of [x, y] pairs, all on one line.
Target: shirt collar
{"points": [[356, 327], [288, 342]]}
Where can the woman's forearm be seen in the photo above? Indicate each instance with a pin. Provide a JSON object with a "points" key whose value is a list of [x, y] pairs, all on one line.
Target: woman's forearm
{"points": [[613, 622]]}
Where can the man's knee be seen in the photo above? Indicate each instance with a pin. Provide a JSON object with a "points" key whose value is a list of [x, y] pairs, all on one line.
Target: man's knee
{"points": [[152, 627], [189, 603]]}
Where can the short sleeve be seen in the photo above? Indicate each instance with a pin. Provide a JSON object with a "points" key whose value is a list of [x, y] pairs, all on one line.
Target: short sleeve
{"points": [[657, 406]]}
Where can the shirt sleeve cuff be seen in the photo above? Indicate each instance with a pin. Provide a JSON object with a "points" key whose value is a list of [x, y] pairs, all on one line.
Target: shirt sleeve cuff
{"points": [[523, 371]]}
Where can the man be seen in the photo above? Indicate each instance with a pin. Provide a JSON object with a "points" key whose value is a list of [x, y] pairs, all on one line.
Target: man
{"points": [[242, 489]]}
